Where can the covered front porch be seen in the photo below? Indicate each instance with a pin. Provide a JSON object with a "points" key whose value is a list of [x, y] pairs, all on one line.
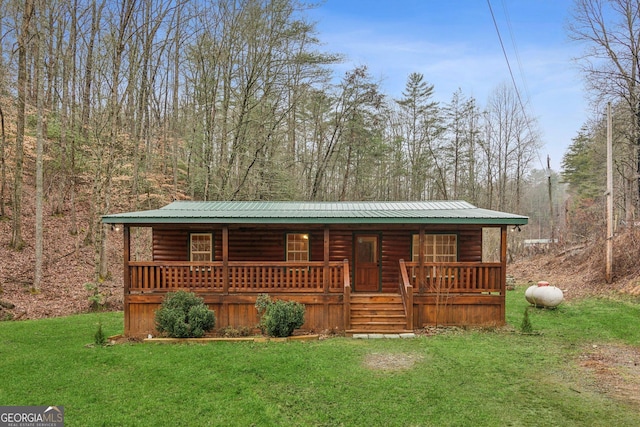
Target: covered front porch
{"points": [[430, 293], [356, 276]]}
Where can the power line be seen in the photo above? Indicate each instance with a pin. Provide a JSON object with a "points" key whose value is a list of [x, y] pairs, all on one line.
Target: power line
{"points": [[513, 80], [515, 50]]}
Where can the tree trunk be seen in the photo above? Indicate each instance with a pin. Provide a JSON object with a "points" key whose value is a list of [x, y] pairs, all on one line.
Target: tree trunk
{"points": [[175, 101], [16, 237], [3, 140], [3, 167], [73, 230], [106, 170], [96, 16], [37, 281]]}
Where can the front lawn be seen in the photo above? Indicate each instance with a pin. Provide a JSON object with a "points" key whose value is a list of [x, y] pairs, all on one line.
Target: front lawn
{"points": [[458, 378]]}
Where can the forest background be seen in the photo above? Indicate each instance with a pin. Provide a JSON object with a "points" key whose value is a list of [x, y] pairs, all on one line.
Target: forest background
{"points": [[110, 106]]}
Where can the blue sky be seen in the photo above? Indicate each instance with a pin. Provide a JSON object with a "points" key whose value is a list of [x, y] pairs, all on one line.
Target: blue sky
{"points": [[454, 44]]}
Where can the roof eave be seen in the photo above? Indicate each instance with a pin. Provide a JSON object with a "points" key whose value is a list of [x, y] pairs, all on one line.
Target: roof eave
{"points": [[317, 221]]}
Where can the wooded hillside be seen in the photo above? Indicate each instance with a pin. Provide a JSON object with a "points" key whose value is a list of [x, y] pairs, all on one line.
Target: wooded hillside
{"points": [[231, 101], [115, 106]]}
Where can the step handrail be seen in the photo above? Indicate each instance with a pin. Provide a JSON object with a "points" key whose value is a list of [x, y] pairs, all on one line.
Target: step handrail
{"points": [[406, 290]]}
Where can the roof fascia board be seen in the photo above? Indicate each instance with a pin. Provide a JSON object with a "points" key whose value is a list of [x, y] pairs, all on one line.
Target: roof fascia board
{"points": [[266, 221]]}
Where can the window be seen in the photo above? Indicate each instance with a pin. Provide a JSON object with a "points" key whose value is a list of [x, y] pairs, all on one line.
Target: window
{"points": [[437, 248], [297, 247], [201, 247]]}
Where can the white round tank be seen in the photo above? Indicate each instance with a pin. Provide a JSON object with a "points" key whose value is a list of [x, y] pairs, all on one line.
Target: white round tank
{"points": [[528, 294], [543, 295]]}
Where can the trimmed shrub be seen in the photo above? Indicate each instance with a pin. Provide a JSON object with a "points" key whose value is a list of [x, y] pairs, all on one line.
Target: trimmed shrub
{"points": [[184, 315], [279, 318]]}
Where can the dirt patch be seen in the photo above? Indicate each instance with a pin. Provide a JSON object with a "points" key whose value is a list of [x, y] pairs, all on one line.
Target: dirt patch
{"points": [[121, 339], [391, 361], [615, 369]]}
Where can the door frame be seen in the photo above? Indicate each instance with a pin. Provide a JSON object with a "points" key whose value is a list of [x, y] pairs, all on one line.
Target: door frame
{"points": [[378, 236]]}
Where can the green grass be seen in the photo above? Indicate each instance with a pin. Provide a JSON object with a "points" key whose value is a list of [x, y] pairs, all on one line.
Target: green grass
{"points": [[477, 377]]}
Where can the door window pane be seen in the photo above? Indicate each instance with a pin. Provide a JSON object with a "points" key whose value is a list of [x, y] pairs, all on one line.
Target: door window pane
{"points": [[366, 249]]}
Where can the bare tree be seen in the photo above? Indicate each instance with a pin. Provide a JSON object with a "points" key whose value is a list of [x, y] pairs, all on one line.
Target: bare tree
{"points": [[39, 78], [70, 70], [510, 143], [356, 92], [247, 69], [23, 38], [175, 90], [610, 33], [107, 148], [144, 68], [3, 166], [3, 140], [89, 70]]}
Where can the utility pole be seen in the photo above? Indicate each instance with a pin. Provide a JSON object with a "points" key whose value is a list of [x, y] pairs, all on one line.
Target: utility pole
{"points": [[609, 267], [551, 220]]}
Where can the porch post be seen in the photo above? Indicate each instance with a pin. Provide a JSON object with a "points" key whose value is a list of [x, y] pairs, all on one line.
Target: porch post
{"points": [[421, 284], [225, 259], [503, 271], [127, 275], [325, 275], [346, 303]]}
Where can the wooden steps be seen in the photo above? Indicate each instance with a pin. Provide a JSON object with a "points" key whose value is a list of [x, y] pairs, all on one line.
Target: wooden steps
{"points": [[377, 313]]}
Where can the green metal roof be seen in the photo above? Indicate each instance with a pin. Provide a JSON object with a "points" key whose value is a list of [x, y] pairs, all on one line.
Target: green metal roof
{"points": [[432, 212]]}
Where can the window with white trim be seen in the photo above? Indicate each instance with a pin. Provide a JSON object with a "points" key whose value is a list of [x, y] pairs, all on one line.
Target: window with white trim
{"points": [[437, 248], [297, 247], [201, 247]]}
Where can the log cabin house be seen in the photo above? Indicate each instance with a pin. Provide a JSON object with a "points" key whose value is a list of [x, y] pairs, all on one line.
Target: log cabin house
{"points": [[357, 266]]}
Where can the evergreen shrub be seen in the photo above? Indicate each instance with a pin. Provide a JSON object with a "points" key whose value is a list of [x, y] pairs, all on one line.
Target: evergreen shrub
{"points": [[184, 315], [279, 318]]}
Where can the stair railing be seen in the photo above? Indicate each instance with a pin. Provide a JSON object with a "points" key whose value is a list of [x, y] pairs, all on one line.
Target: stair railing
{"points": [[406, 290]]}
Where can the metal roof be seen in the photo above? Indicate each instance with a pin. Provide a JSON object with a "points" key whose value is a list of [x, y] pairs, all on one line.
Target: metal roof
{"points": [[432, 212]]}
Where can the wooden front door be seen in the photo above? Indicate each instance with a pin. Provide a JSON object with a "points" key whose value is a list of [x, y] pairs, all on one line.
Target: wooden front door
{"points": [[366, 263]]}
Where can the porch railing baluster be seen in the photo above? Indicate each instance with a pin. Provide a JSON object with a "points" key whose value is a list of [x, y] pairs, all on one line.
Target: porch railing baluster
{"points": [[461, 277], [164, 276]]}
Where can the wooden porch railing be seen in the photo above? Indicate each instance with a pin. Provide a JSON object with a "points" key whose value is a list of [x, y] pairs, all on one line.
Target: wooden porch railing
{"points": [[456, 277], [242, 276], [406, 290]]}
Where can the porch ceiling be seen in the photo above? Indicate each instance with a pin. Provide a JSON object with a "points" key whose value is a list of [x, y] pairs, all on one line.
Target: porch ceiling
{"points": [[432, 212]]}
